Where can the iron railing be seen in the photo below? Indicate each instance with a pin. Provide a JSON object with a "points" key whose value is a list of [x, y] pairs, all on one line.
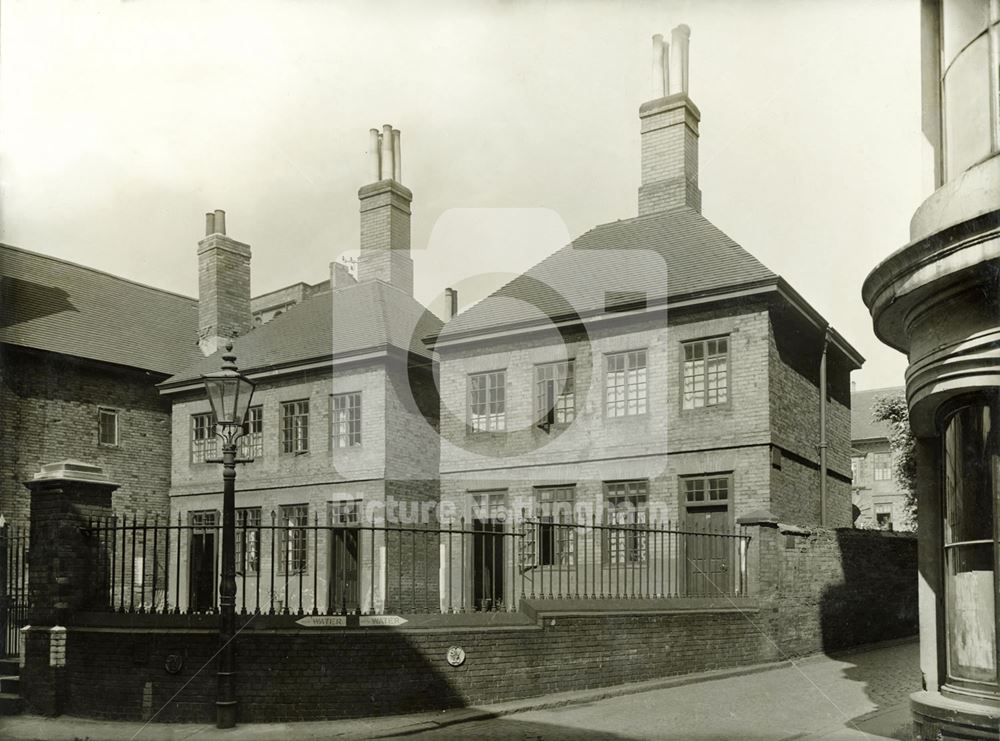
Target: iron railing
{"points": [[304, 567], [13, 587]]}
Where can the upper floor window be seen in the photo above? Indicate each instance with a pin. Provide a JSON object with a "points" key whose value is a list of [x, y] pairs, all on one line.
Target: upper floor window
{"points": [[625, 386], [107, 426], [857, 468], [203, 440], [295, 426], [293, 519], [488, 401], [555, 398], [881, 466], [706, 373], [252, 442], [345, 420]]}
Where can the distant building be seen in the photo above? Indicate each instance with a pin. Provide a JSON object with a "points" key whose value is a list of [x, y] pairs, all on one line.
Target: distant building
{"points": [[878, 500]]}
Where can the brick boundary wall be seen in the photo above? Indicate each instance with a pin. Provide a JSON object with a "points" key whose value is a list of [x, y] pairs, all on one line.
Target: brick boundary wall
{"points": [[328, 673], [811, 590]]}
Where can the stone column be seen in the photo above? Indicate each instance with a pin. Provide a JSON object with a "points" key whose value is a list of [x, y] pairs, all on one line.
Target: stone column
{"points": [[64, 572]]}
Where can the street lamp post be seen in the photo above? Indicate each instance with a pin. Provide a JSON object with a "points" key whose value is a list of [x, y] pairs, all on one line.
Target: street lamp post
{"points": [[229, 394]]}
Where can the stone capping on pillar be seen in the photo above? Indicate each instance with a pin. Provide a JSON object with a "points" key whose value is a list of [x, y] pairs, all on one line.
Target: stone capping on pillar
{"points": [[72, 471]]}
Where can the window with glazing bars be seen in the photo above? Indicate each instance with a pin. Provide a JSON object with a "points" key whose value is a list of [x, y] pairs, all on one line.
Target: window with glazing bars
{"points": [[248, 540], [252, 442], [107, 426], [626, 505], [345, 514], [295, 426], [203, 440], [555, 399], [555, 525], [881, 466], [488, 401], [345, 420], [625, 383], [292, 522], [706, 489], [706, 373]]}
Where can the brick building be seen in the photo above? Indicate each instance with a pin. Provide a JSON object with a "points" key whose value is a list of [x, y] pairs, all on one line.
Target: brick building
{"points": [[81, 353], [652, 369], [343, 422], [877, 497]]}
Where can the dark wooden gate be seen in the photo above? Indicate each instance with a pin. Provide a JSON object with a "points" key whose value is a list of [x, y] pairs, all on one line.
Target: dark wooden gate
{"points": [[201, 561], [345, 593]]}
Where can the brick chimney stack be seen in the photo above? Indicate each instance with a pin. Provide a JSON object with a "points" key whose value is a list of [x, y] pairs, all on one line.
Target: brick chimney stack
{"points": [[223, 286], [669, 126], [385, 215]]}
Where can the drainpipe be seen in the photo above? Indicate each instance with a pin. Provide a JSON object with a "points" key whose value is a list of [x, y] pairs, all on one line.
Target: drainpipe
{"points": [[822, 430]]}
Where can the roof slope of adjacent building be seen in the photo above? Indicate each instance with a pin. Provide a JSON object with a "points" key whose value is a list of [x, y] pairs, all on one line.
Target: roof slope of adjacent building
{"points": [[862, 425], [344, 322], [664, 256], [58, 306]]}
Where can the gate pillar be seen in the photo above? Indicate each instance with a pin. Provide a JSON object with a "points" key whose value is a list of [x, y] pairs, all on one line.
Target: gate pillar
{"points": [[63, 571]]}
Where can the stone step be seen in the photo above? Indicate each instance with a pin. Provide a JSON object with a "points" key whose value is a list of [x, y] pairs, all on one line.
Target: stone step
{"points": [[10, 704], [10, 667], [10, 685]]}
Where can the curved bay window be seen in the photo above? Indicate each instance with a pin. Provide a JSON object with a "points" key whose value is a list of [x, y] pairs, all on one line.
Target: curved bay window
{"points": [[971, 458]]}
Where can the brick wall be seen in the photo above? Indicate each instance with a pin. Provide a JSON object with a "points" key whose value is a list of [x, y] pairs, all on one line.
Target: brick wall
{"points": [[313, 674], [830, 589], [48, 413]]}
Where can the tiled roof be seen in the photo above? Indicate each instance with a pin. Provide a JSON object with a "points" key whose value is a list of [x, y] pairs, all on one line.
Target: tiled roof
{"points": [[616, 260], [58, 306], [862, 426], [351, 320]]}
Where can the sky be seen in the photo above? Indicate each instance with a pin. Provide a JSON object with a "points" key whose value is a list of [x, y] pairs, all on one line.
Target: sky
{"points": [[122, 123]]}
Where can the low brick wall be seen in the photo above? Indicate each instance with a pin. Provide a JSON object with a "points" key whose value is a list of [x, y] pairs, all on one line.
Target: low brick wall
{"points": [[287, 673]]}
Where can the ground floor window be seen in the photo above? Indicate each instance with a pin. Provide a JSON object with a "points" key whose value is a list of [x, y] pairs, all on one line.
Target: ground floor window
{"points": [[626, 505], [970, 463]]}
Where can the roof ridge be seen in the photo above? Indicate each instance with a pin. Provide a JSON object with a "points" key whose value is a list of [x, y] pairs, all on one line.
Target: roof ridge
{"points": [[63, 261], [879, 388]]}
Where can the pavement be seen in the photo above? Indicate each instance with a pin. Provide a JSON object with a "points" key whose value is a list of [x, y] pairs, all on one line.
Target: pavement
{"points": [[858, 695]]}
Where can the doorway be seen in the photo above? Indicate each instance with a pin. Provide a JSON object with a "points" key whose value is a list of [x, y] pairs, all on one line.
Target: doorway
{"points": [[708, 543], [488, 553], [201, 560], [345, 578]]}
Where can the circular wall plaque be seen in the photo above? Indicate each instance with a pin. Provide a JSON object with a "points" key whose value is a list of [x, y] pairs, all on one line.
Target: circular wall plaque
{"points": [[456, 656], [174, 663]]}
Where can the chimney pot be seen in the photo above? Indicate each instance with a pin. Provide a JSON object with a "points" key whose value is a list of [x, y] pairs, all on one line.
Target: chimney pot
{"points": [[659, 83], [397, 162], [209, 223], [679, 40], [373, 155], [387, 165], [451, 301], [220, 222]]}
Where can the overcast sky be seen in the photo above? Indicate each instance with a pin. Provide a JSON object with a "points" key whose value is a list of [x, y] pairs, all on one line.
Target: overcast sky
{"points": [[123, 122]]}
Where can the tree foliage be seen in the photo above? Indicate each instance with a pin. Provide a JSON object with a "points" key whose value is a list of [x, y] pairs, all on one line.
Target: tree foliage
{"points": [[893, 412]]}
